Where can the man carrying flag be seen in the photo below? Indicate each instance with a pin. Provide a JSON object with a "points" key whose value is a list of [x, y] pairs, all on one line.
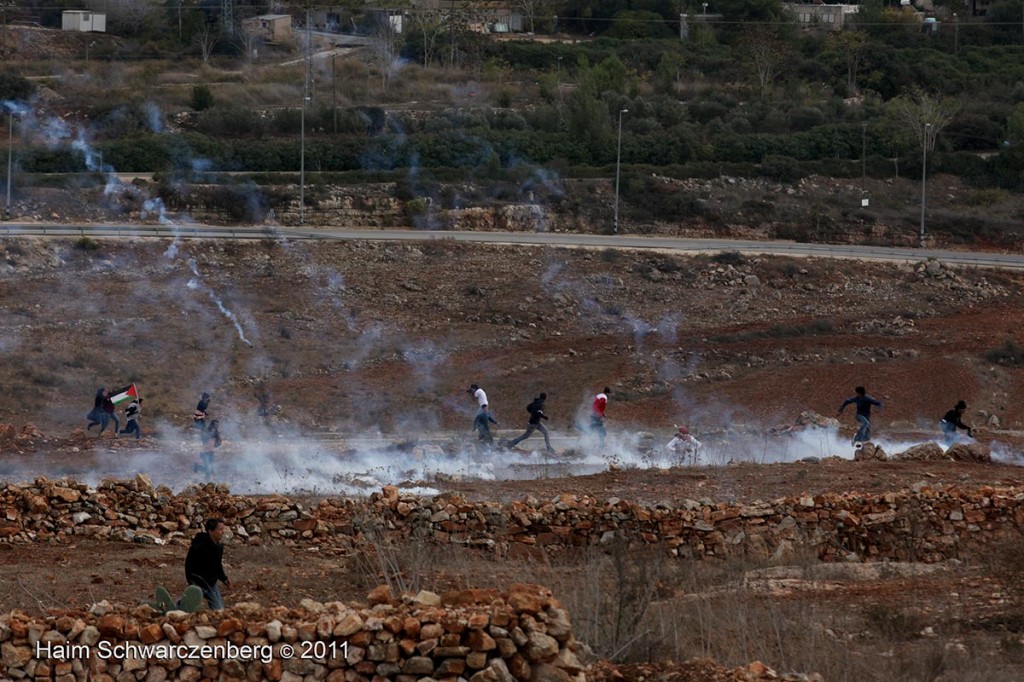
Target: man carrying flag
{"points": [[114, 398]]}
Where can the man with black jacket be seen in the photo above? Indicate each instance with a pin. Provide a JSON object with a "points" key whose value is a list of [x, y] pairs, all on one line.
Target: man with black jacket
{"points": [[204, 565], [953, 420], [536, 410]]}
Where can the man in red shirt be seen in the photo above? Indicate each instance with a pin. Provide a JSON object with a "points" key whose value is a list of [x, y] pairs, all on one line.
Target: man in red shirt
{"points": [[597, 414]]}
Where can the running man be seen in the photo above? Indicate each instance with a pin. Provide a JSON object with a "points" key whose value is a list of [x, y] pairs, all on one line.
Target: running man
{"points": [[597, 417], [863, 402], [954, 420], [536, 410], [482, 420]]}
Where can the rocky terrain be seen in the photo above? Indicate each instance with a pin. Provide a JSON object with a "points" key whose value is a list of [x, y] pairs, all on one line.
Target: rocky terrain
{"points": [[336, 367]]}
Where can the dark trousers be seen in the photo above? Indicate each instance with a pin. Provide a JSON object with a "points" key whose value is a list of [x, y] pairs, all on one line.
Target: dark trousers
{"points": [[132, 426], [105, 420], [530, 428]]}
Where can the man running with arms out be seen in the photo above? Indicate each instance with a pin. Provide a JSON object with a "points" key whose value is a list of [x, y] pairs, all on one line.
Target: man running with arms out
{"points": [[597, 414], [863, 402]]}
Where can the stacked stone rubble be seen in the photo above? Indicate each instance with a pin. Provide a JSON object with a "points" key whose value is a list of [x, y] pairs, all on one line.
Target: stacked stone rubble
{"points": [[522, 635], [923, 523]]}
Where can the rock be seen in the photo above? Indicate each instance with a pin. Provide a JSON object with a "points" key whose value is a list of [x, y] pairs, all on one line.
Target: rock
{"points": [[205, 632], [90, 636], [426, 598], [751, 280], [869, 452], [970, 452], [273, 629], [349, 625], [923, 452], [15, 656], [380, 595], [546, 672], [143, 482], [541, 647], [80, 517], [418, 665], [151, 634], [111, 626], [497, 671], [812, 418], [229, 626], [993, 422]]}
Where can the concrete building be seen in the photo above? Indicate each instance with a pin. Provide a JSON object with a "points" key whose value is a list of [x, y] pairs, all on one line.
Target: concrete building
{"points": [[84, 21], [273, 28], [827, 17]]}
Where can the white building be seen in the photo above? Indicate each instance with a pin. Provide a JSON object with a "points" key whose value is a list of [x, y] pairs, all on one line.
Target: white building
{"points": [[84, 21]]}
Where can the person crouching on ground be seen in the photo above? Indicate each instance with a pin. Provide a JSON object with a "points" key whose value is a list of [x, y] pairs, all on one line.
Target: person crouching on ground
{"points": [[204, 563], [685, 445]]}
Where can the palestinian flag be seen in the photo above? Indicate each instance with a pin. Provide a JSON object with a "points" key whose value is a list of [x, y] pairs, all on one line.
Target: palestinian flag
{"points": [[126, 394]]}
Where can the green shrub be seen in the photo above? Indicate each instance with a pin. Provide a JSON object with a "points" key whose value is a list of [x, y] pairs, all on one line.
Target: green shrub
{"points": [[202, 98], [1010, 354]]}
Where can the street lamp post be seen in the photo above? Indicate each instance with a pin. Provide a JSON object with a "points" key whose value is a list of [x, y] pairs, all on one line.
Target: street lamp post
{"points": [[618, 164], [924, 176], [10, 148], [558, 78], [863, 151], [302, 164]]}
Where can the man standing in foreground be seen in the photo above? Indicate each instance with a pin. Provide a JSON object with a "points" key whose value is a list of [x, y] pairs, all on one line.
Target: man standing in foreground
{"points": [[863, 402], [204, 564]]}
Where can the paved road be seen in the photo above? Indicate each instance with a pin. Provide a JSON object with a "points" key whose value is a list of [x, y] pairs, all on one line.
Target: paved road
{"points": [[1012, 261]]}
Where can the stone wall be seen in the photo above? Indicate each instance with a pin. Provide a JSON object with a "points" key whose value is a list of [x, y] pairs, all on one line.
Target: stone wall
{"points": [[522, 635], [922, 524]]}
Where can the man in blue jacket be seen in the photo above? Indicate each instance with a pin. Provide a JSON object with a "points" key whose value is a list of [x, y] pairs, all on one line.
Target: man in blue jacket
{"points": [[863, 402]]}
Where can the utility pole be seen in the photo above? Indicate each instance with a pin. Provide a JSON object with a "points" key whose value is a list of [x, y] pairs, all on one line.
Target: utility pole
{"points": [[10, 149], [956, 34], [618, 163], [863, 151], [179, 20], [302, 152], [924, 175], [334, 90]]}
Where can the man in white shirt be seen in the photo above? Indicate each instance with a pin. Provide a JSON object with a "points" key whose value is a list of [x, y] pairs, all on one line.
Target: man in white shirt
{"points": [[483, 419], [685, 445]]}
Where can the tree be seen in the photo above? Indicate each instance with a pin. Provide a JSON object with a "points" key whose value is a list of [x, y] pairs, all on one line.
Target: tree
{"points": [[205, 39], [768, 55], [849, 48], [531, 10], [430, 26], [249, 42], [669, 72], [384, 49], [922, 115]]}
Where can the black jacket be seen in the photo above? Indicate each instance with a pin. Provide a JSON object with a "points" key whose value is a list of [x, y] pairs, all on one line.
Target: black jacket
{"points": [[204, 563], [953, 417], [536, 410]]}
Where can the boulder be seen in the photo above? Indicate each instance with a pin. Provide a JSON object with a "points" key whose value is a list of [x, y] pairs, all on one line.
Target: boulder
{"points": [[923, 452], [970, 452], [869, 452]]}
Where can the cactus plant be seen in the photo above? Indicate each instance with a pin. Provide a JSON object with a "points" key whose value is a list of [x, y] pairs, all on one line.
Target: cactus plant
{"points": [[163, 602], [192, 600]]}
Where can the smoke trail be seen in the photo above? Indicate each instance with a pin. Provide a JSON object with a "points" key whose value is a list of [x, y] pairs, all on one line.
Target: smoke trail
{"points": [[197, 283]]}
